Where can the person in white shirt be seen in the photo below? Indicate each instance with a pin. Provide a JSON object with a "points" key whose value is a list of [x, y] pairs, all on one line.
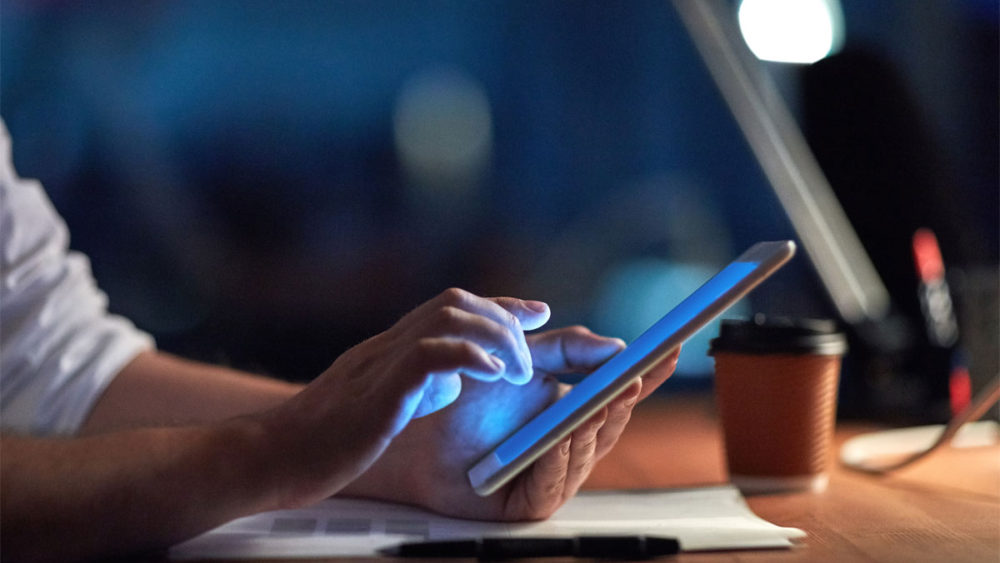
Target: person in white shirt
{"points": [[110, 447]]}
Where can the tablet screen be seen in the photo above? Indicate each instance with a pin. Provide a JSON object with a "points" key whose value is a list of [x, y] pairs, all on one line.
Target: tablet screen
{"points": [[584, 391]]}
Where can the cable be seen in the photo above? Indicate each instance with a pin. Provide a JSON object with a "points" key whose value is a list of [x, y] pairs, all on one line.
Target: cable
{"points": [[861, 452]]}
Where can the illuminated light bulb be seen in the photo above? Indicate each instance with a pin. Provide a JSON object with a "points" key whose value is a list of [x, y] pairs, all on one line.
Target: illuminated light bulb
{"points": [[791, 31]]}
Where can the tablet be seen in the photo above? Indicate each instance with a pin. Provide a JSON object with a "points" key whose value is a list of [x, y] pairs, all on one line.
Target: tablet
{"points": [[557, 421]]}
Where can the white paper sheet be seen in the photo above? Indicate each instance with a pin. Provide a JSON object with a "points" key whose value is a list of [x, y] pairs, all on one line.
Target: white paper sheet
{"points": [[701, 519]]}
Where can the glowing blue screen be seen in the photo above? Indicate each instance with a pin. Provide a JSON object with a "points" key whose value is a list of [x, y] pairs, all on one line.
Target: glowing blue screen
{"points": [[584, 391]]}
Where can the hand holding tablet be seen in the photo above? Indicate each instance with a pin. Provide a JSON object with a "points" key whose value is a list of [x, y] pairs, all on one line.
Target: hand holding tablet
{"points": [[557, 421]]}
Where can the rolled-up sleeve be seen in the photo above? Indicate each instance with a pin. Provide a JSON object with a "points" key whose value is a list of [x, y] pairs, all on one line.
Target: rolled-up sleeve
{"points": [[59, 346]]}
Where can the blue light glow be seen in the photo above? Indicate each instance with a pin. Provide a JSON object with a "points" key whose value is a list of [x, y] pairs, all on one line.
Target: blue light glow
{"points": [[584, 391], [634, 295]]}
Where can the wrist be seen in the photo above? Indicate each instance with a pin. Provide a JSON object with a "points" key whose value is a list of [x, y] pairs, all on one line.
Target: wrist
{"points": [[258, 467], [393, 476], [283, 459]]}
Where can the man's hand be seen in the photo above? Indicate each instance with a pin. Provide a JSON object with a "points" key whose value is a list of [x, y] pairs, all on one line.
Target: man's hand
{"points": [[139, 483], [337, 426], [426, 464]]}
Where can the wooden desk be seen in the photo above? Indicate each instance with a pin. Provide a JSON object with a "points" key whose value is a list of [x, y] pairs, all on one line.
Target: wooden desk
{"points": [[945, 509]]}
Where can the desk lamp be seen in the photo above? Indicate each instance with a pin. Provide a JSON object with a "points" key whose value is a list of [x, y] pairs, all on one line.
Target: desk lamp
{"points": [[881, 336]]}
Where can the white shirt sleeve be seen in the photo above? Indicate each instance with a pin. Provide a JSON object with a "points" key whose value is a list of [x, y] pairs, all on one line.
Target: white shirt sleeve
{"points": [[59, 346]]}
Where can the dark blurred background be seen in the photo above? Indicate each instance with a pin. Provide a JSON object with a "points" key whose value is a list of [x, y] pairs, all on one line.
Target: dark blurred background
{"points": [[265, 184]]}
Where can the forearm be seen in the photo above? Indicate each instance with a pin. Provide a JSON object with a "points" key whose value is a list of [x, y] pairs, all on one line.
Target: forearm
{"points": [[130, 491], [158, 389]]}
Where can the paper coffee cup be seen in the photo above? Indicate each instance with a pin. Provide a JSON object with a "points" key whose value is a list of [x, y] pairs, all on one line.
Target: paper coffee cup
{"points": [[776, 392]]}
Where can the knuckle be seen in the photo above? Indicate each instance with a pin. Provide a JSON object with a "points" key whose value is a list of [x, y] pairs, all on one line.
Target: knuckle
{"points": [[465, 349], [447, 316], [513, 320], [510, 319], [596, 422], [620, 417], [429, 354], [616, 427], [564, 448], [555, 488], [422, 353], [455, 296], [630, 397], [583, 466]]}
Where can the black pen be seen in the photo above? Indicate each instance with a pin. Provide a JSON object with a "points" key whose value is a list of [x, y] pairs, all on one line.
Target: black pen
{"points": [[607, 547]]}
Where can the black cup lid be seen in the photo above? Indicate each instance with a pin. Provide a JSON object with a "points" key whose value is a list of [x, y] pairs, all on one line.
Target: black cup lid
{"points": [[779, 335]]}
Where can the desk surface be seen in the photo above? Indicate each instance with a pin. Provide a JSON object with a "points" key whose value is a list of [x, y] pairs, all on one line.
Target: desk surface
{"points": [[945, 508]]}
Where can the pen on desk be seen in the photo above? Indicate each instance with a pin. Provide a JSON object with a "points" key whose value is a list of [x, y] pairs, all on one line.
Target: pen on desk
{"points": [[616, 547], [939, 315]]}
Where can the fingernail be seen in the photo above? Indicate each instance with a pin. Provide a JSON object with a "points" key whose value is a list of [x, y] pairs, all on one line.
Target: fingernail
{"points": [[498, 365], [536, 306]]}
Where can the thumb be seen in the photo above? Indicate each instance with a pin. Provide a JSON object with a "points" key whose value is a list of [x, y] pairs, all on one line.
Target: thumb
{"points": [[572, 349]]}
